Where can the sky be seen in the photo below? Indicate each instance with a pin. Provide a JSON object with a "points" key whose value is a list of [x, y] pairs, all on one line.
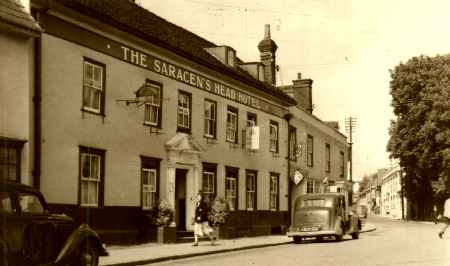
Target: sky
{"points": [[347, 48]]}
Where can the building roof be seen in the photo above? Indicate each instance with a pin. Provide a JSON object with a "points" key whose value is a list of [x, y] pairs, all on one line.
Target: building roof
{"points": [[130, 17], [14, 13]]}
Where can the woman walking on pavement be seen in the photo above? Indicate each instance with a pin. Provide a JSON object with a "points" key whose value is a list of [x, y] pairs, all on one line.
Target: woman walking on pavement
{"points": [[201, 224], [446, 216]]}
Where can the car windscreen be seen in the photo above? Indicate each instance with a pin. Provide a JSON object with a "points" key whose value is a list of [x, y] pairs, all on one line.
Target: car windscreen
{"points": [[323, 202], [30, 203]]}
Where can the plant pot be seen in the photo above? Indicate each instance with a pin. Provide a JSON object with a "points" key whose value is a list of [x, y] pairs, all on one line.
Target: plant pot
{"points": [[166, 234], [220, 231]]}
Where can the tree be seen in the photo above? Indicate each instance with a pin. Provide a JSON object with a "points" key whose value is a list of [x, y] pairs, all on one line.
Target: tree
{"points": [[420, 134]]}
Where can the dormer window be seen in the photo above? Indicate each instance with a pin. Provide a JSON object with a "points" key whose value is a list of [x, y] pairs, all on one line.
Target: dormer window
{"points": [[231, 55]]}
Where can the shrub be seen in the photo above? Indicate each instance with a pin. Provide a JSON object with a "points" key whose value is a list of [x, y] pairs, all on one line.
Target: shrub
{"points": [[164, 214], [219, 212]]}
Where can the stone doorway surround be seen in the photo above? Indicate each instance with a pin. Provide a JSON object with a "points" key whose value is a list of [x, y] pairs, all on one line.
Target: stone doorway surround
{"points": [[184, 152]]}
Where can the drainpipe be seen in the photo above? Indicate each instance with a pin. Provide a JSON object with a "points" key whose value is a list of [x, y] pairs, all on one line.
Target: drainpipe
{"points": [[288, 117], [37, 98]]}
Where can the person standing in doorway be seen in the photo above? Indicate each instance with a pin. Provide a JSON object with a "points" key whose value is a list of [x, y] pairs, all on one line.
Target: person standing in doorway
{"points": [[201, 224], [445, 217]]}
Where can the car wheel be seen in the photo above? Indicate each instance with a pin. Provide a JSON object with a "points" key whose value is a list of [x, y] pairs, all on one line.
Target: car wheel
{"points": [[297, 240], [355, 235], [88, 255], [338, 238], [320, 238]]}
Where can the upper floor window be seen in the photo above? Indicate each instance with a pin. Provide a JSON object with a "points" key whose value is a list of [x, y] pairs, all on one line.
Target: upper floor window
{"points": [[91, 177], [310, 151], [232, 125], [184, 112], [250, 190], [292, 143], [273, 136], [93, 86], [152, 109], [327, 158], [251, 119], [341, 164], [274, 191], [210, 118]]}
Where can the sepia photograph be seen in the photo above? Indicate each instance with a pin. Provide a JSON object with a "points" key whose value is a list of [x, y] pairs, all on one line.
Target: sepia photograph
{"points": [[207, 132]]}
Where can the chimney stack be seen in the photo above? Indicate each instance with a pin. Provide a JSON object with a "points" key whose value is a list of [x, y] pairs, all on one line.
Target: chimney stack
{"points": [[267, 48], [302, 90]]}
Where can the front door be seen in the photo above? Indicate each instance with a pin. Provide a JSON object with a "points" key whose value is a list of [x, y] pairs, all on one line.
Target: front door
{"points": [[180, 198]]}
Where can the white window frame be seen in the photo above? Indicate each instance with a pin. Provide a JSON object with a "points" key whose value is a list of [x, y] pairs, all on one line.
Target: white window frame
{"points": [[210, 121], [231, 192], [153, 105], [90, 179], [184, 111], [232, 121], [273, 146], [273, 201], [150, 188], [92, 86], [208, 188], [250, 191]]}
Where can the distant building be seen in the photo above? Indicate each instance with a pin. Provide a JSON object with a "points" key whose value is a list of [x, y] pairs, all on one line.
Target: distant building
{"points": [[18, 31], [391, 194]]}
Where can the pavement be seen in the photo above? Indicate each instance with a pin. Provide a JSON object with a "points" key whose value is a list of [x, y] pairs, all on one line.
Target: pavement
{"points": [[154, 252]]}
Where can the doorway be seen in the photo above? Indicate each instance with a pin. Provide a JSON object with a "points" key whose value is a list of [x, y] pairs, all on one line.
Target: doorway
{"points": [[180, 198]]}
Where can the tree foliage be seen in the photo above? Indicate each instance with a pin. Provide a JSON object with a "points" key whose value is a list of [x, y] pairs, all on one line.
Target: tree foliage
{"points": [[420, 134]]}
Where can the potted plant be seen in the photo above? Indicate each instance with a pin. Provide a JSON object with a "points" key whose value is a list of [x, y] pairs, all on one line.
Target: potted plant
{"points": [[163, 220], [218, 215]]}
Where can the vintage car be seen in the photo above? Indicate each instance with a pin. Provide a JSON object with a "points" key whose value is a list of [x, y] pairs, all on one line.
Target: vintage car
{"points": [[323, 215], [30, 235]]}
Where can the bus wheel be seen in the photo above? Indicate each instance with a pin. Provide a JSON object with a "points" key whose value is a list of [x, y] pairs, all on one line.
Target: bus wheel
{"points": [[297, 240]]}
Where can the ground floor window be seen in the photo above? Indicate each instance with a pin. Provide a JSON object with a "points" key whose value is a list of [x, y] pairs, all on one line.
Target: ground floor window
{"points": [[91, 177], [149, 182], [209, 181], [231, 188], [250, 190], [313, 186], [148, 188], [274, 191], [10, 159]]}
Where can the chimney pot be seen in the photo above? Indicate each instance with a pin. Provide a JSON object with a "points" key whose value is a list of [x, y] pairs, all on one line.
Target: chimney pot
{"points": [[299, 76], [267, 31]]}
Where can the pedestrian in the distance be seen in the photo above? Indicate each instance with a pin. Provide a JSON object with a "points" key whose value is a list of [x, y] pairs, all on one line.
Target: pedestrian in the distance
{"points": [[201, 223], [445, 217]]}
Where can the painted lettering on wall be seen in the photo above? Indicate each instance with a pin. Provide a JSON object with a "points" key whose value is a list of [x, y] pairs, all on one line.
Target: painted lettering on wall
{"points": [[173, 71]]}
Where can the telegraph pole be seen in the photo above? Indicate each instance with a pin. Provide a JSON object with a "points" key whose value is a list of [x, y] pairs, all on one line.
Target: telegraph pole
{"points": [[350, 124]]}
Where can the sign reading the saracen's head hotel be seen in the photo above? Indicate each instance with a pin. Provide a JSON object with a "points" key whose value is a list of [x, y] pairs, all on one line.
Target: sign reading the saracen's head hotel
{"points": [[138, 58], [191, 78]]}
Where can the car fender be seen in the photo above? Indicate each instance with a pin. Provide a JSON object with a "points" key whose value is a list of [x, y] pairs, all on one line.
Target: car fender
{"points": [[355, 224], [76, 239], [339, 225]]}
